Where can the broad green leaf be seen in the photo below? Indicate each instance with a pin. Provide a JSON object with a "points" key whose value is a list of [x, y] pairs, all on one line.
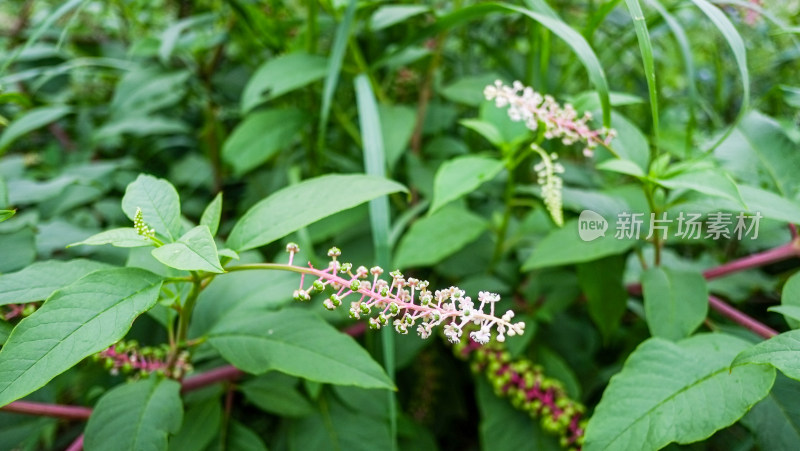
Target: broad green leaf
{"points": [[564, 246], [397, 126], [297, 206], [5, 214], [241, 290], [212, 214], [201, 423], [27, 191], [433, 238], [759, 153], [31, 120], [194, 251], [601, 282], [171, 36], [627, 167], [388, 15], [121, 237], [469, 90], [281, 75], [630, 143], [790, 312], [790, 297], [158, 199], [151, 125], [675, 302], [676, 392], [18, 249], [242, 438], [706, 181], [781, 351], [39, 280], [344, 425], [504, 428], [144, 91], [260, 136], [136, 416], [485, 129], [74, 323], [297, 343], [775, 420], [770, 205], [461, 176], [277, 393]]}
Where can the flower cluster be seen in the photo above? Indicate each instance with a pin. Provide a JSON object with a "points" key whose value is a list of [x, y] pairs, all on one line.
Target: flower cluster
{"points": [[525, 104], [129, 357], [529, 390], [406, 303], [141, 227], [547, 172]]}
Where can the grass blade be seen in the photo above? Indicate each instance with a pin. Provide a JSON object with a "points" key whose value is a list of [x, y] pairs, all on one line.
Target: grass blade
{"points": [[736, 44], [646, 47], [375, 164]]}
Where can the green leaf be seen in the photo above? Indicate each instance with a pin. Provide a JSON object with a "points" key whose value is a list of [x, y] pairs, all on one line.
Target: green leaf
{"points": [[706, 181], [5, 214], [18, 249], [564, 246], [121, 237], [469, 90], [260, 136], [775, 421], [790, 312], [397, 126], [297, 343], [31, 120], [676, 392], [630, 143], [297, 206], [675, 302], [433, 238], [485, 129], [194, 251], [242, 438], [144, 91], [646, 49], [461, 176], [504, 428], [770, 205], [389, 15], [790, 297], [760, 153], [39, 280], [75, 322], [781, 351], [281, 75], [601, 282], [277, 393], [158, 199], [212, 214], [136, 416], [201, 423], [627, 167]]}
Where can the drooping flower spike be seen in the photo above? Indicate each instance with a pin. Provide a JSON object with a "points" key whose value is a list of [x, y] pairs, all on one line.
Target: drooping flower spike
{"points": [[526, 105], [406, 303]]}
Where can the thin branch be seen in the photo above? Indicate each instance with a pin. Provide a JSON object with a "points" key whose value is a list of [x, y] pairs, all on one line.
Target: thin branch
{"points": [[740, 318], [223, 373], [77, 445], [48, 410]]}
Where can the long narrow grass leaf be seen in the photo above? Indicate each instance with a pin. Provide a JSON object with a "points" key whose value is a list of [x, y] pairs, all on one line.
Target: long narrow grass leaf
{"points": [[646, 48], [375, 164], [736, 44]]}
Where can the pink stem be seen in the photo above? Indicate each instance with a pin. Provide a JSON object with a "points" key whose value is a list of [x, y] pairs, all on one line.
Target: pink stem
{"points": [[756, 260], [740, 318], [223, 373], [49, 410], [77, 445]]}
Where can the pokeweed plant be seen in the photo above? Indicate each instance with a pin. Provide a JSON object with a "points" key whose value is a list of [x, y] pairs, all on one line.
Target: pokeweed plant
{"points": [[635, 186]]}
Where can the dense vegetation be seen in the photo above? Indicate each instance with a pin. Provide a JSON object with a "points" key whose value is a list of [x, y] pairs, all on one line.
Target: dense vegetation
{"points": [[232, 224]]}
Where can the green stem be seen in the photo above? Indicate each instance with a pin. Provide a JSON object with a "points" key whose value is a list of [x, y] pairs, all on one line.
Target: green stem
{"points": [[648, 192], [185, 315]]}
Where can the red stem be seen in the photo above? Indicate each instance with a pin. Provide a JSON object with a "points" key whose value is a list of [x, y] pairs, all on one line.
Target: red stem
{"points": [[223, 373], [740, 318], [49, 410], [77, 445]]}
